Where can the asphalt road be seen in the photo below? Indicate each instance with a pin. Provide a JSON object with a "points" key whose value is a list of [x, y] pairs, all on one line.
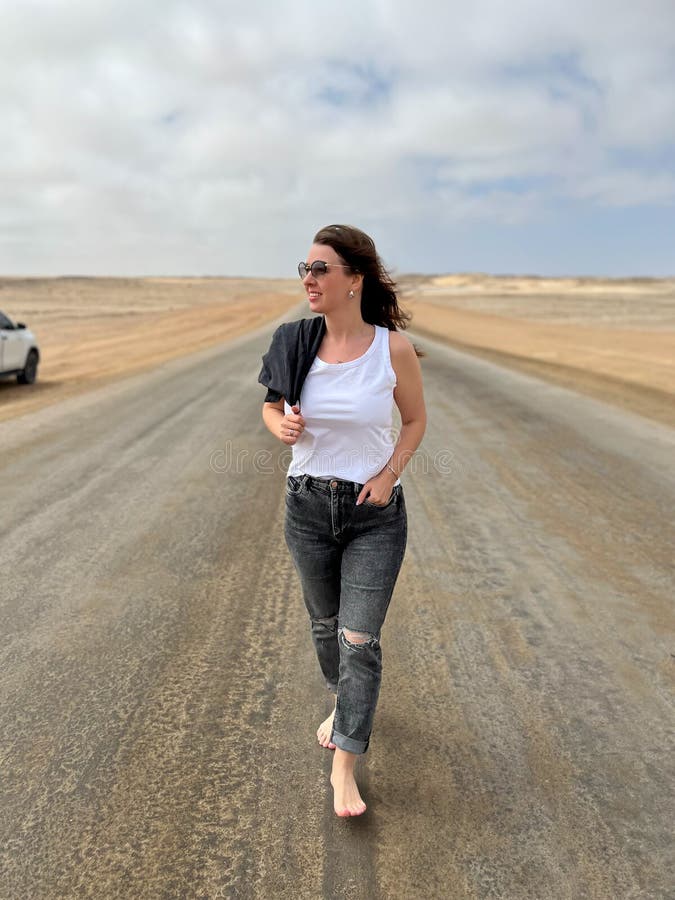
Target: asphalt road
{"points": [[159, 694]]}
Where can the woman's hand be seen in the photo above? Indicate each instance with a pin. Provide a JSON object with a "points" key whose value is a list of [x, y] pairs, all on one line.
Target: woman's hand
{"points": [[291, 426], [378, 490]]}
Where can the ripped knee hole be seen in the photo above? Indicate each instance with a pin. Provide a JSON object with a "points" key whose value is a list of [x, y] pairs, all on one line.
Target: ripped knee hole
{"points": [[358, 637]]}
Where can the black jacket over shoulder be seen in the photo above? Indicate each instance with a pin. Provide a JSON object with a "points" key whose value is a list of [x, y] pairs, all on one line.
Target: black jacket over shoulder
{"points": [[290, 357]]}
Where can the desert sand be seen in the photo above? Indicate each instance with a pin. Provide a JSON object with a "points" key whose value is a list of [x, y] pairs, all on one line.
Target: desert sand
{"points": [[94, 330], [612, 339]]}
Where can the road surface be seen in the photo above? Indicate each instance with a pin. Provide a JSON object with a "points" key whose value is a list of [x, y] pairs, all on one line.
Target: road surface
{"points": [[159, 694]]}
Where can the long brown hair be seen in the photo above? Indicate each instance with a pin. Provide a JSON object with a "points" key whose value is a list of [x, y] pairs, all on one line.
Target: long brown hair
{"points": [[379, 302]]}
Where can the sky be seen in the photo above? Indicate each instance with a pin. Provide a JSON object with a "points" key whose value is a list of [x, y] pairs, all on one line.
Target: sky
{"points": [[215, 138]]}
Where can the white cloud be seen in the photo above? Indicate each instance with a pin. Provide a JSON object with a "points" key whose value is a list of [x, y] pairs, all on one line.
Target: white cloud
{"points": [[181, 136], [627, 188]]}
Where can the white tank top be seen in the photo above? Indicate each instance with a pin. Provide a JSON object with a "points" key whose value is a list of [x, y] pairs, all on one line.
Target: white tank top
{"points": [[348, 410]]}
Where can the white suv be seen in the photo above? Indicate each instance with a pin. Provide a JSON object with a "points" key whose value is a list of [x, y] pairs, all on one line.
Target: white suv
{"points": [[19, 354]]}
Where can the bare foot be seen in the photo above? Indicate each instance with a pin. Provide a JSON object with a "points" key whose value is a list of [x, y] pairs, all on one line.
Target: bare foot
{"points": [[324, 732], [346, 798]]}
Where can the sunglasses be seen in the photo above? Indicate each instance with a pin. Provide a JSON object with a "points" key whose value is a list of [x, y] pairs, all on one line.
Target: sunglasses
{"points": [[318, 267]]}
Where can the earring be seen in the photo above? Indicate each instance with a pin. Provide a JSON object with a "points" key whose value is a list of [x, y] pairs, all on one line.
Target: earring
{"points": [[351, 293]]}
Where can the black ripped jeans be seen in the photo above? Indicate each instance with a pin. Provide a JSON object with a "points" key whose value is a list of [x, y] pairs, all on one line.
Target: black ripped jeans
{"points": [[348, 558]]}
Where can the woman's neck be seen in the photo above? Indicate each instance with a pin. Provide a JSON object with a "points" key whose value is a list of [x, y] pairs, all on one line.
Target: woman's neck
{"points": [[347, 326]]}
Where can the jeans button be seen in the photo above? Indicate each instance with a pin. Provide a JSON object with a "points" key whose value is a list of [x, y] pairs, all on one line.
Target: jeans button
{"points": [[333, 484]]}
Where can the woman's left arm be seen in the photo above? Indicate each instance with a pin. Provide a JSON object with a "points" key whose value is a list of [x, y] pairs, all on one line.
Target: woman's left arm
{"points": [[409, 398]]}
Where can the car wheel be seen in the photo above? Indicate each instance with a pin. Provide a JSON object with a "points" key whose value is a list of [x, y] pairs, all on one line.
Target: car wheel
{"points": [[29, 371]]}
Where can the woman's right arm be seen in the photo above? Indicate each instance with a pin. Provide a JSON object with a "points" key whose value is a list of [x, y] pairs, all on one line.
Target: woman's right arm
{"points": [[287, 428]]}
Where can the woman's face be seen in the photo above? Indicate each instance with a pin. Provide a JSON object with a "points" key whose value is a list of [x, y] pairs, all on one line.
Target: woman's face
{"points": [[330, 291]]}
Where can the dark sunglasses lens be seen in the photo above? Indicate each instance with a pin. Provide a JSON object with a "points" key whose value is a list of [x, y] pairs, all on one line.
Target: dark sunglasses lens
{"points": [[318, 267]]}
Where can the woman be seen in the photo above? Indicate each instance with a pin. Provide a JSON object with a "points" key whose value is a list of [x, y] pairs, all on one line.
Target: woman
{"points": [[332, 381]]}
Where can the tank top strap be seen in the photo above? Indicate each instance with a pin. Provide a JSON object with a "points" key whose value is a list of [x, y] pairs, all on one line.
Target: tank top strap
{"points": [[383, 351]]}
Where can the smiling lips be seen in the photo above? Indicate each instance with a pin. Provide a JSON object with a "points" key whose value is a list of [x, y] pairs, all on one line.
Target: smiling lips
{"points": [[313, 295]]}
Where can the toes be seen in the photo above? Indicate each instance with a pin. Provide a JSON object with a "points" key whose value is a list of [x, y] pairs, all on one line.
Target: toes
{"points": [[324, 732], [346, 811]]}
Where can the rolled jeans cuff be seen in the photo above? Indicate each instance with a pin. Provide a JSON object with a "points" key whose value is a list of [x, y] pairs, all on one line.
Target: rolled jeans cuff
{"points": [[348, 744]]}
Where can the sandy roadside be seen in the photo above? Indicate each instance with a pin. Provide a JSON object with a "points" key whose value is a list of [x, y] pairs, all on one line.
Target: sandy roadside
{"points": [[614, 340], [94, 330]]}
